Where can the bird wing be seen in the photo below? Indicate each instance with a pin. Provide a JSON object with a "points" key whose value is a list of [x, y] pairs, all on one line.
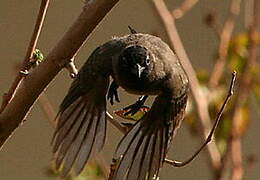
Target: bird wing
{"points": [[142, 150], [81, 121]]}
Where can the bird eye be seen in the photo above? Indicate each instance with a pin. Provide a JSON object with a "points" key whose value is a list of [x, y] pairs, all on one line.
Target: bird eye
{"points": [[147, 61]]}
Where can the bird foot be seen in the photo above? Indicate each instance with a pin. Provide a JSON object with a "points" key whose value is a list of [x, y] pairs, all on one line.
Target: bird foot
{"points": [[133, 108], [112, 93]]}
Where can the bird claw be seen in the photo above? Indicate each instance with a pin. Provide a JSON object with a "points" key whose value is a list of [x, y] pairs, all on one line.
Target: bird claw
{"points": [[133, 108], [112, 93]]}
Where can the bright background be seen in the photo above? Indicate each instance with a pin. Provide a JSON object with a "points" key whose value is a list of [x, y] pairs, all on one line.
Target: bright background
{"points": [[28, 152]]}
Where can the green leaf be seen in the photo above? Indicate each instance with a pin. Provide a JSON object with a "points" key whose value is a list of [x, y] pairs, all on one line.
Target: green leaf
{"points": [[37, 58]]}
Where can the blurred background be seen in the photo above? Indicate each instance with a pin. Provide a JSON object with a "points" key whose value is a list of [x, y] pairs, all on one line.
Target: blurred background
{"points": [[27, 154]]}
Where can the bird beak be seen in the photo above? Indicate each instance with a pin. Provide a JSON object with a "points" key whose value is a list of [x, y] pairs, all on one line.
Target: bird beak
{"points": [[140, 69]]}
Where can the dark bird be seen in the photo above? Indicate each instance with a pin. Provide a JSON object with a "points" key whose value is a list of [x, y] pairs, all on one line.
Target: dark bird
{"points": [[141, 64]]}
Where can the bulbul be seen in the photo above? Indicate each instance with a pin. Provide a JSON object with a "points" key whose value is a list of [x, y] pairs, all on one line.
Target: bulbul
{"points": [[141, 64]]}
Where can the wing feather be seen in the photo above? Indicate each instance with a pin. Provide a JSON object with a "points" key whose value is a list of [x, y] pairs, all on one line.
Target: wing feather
{"points": [[143, 149], [65, 129], [70, 137], [75, 146], [90, 143], [81, 121]]}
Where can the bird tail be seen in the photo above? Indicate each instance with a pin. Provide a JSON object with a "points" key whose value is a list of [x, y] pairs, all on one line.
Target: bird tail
{"points": [[80, 132]]}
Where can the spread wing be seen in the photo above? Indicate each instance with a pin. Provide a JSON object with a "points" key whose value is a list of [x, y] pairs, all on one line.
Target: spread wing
{"points": [[142, 150], [81, 121]]}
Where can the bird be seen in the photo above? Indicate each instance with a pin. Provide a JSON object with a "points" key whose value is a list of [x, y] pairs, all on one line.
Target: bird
{"points": [[141, 64]]}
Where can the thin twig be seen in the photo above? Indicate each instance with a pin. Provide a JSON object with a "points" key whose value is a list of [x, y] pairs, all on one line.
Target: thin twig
{"points": [[225, 38], [209, 138], [184, 7], [201, 103], [34, 83], [32, 45], [47, 107]]}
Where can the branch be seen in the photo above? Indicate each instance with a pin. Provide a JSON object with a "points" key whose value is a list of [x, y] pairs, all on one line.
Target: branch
{"points": [[35, 83], [47, 108], [25, 65], [234, 142], [225, 38], [199, 99], [184, 7], [215, 125]]}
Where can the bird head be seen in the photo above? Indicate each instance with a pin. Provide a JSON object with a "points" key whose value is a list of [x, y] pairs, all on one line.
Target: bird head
{"points": [[135, 60]]}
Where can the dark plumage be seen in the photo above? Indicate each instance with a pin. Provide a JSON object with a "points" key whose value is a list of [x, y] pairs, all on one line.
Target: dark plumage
{"points": [[141, 64]]}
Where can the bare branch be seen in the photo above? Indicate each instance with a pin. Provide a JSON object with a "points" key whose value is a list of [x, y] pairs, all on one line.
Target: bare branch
{"points": [[184, 7], [200, 100], [242, 96], [209, 138], [225, 38], [25, 65], [234, 150], [34, 83], [47, 107]]}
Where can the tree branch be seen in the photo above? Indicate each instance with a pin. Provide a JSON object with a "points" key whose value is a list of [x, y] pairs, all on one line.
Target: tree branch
{"points": [[234, 142], [32, 45], [35, 83], [184, 7], [199, 99], [225, 38]]}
